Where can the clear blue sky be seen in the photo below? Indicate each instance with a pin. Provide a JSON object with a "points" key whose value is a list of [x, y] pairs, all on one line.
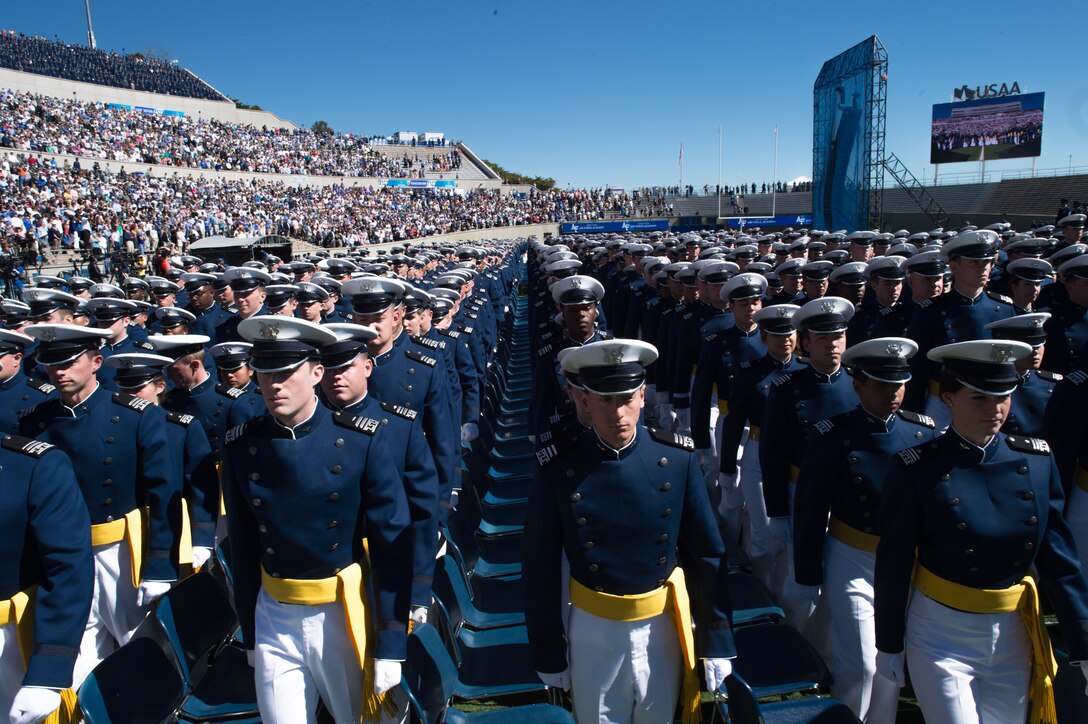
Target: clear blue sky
{"points": [[594, 93]]}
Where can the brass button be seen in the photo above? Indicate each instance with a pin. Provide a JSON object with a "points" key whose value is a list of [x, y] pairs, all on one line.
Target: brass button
{"points": [[663, 462], [663, 537], [254, 476], [270, 551], [945, 477], [576, 497], [661, 561], [587, 545], [411, 370], [408, 388], [109, 440], [108, 501], [334, 497], [108, 461], [581, 521], [1029, 546], [954, 501], [666, 487], [666, 512], [334, 546], [970, 551], [1029, 495], [333, 523], [961, 526], [336, 469], [114, 419], [107, 482], [1032, 520], [253, 451], [1022, 469], [262, 528], [593, 568], [339, 442], [256, 502]]}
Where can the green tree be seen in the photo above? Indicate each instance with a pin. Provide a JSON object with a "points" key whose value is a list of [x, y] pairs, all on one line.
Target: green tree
{"points": [[544, 184], [322, 128]]}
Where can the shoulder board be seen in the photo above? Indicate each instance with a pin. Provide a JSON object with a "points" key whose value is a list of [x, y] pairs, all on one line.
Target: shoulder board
{"points": [[999, 297], [782, 379], [745, 365], [887, 310], [1050, 376], [136, 403], [145, 345], [545, 437], [546, 454], [605, 334], [1078, 378], [913, 454], [544, 350], [41, 386], [1034, 445], [234, 433], [403, 410], [710, 337], [365, 425], [825, 426], [466, 330], [471, 316], [420, 357], [451, 333], [924, 303], [179, 418], [227, 391], [671, 438], [923, 420], [432, 343], [26, 445]]}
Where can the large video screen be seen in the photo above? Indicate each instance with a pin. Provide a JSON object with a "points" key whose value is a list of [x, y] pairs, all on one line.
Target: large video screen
{"points": [[988, 129]]}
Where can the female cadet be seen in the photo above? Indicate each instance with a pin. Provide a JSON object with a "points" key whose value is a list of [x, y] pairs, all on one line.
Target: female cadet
{"points": [[978, 510]]}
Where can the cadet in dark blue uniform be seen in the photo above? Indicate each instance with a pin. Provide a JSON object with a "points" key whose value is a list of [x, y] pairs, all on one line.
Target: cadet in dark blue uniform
{"points": [[961, 314], [884, 314], [405, 374], [113, 315], [46, 578], [1067, 330], [247, 286], [18, 393], [302, 485], [964, 520], [1036, 386], [836, 511], [123, 462], [237, 384], [143, 376], [344, 388], [202, 305], [625, 510], [796, 401]]}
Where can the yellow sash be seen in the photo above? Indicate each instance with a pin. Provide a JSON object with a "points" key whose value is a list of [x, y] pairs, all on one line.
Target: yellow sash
{"points": [[185, 541], [1022, 597], [795, 472], [19, 610], [723, 406], [853, 537], [129, 528], [753, 433], [670, 598], [346, 587], [1080, 477]]}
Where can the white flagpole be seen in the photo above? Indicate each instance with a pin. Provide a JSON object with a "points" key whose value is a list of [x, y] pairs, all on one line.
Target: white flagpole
{"points": [[774, 183], [719, 172]]}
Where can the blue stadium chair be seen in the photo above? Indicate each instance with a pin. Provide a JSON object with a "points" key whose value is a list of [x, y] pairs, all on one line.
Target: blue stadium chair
{"points": [[752, 602], [451, 590], [136, 684], [460, 535], [775, 659], [744, 708], [430, 679]]}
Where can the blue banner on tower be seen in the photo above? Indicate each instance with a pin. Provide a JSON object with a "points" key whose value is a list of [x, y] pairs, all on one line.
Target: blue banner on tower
{"points": [[741, 222]]}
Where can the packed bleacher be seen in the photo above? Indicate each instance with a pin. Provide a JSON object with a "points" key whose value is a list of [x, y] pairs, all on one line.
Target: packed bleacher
{"points": [[34, 54], [39, 123]]}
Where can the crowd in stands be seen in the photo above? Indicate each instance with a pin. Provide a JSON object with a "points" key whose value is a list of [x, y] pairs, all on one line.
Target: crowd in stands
{"points": [[34, 54], [37, 123], [50, 206], [1013, 128]]}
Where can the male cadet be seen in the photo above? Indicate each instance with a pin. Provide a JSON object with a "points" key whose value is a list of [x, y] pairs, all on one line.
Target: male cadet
{"points": [[882, 314], [723, 352], [790, 274], [1072, 228], [164, 291], [815, 276], [1067, 329], [925, 275], [46, 579], [796, 401], [112, 316], [18, 393], [49, 306], [577, 298], [674, 307], [1036, 386], [240, 398], [143, 376], [959, 315], [310, 302], [405, 374], [848, 282], [344, 389], [861, 245], [120, 452], [173, 321], [624, 508], [744, 404], [224, 296], [247, 286], [841, 480], [416, 305], [302, 485], [202, 305], [1025, 278], [715, 319], [458, 359]]}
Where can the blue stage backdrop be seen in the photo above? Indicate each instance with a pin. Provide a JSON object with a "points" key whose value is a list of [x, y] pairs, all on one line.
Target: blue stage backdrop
{"points": [[841, 135]]}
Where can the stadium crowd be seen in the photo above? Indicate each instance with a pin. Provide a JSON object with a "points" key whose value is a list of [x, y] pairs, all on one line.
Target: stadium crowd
{"points": [[34, 54], [38, 123], [988, 130]]}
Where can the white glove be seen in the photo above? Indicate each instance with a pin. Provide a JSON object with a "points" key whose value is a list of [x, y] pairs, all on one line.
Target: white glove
{"points": [[708, 463], [781, 529], [1084, 670], [151, 591], [556, 681], [33, 703], [890, 666], [716, 671], [728, 486], [200, 557], [801, 592], [386, 675], [470, 431], [683, 421], [418, 615]]}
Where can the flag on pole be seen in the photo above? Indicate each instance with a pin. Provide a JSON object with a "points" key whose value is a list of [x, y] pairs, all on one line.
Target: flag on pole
{"points": [[681, 152]]}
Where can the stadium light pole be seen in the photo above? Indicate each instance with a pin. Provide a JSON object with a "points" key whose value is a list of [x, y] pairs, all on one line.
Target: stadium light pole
{"points": [[90, 30], [719, 173], [774, 181]]}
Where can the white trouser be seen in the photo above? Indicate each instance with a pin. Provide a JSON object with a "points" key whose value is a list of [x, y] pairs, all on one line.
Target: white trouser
{"points": [[12, 670], [730, 502], [848, 596], [940, 412], [1076, 514], [767, 552], [967, 668], [303, 653], [804, 614], [624, 671], [114, 614]]}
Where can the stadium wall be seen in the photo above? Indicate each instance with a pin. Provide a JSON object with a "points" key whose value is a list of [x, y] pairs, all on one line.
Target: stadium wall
{"points": [[93, 93]]}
